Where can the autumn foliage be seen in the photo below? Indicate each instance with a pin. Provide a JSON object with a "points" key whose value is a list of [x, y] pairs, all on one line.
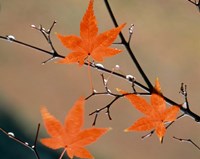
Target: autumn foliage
{"points": [[86, 49], [90, 43], [156, 113], [70, 136]]}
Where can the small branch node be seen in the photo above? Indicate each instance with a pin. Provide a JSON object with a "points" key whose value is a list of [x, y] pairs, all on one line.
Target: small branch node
{"points": [[183, 91], [108, 113], [11, 134], [48, 60], [147, 135], [197, 4], [188, 141], [132, 80], [10, 38], [24, 143], [47, 36], [130, 33], [99, 65]]}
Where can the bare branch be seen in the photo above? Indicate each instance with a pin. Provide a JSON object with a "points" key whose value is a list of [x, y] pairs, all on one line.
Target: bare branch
{"points": [[26, 144], [188, 141], [183, 91], [197, 4], [130, 33], [127, 46], [107, 107], [47, 36], [102, 69], [151, 132], [105, 70]]}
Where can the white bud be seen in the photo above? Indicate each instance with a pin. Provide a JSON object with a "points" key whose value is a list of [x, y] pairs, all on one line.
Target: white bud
{"points": [[184, 105], [26, 143], [33, 26], [109, 90], [11, 134], [117, 67], [131, 29], [129, 77], [10, 38], [99, 65], [105, 81]]}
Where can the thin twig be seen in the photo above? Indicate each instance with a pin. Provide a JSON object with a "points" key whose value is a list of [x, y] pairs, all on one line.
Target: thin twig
{"points": [[26, 144], [107, 92], [197, 4], [183, 92], [127, 46], [102, 69], [47, 36], [116, 74], [188, 141], [130, 33], [107, 107], [151, 132], [150, 87]]}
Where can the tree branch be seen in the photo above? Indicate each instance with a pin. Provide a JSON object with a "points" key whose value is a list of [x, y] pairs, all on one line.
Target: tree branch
{"points": [[188, 141], [127, 46], [148, 89], [197, 4], [26, 144]]}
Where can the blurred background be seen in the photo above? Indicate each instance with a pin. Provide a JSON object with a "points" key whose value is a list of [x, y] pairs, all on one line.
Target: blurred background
{"points": [[166, 41]]}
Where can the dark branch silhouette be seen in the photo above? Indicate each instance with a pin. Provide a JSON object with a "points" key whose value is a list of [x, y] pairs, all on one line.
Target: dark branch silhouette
{"points": [[188, 141], [197, 4], [129, 78], [24, 143], [148, 89]]}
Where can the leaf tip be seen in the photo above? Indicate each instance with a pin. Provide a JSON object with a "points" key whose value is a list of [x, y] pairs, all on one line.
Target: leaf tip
{"points": [[161, 139], [63, 61], [157, 85], [43, 109], [59, 36], [118, 89]]}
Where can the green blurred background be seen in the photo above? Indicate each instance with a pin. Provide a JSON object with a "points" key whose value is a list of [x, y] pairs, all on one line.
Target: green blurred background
{"points": [[166, 41]]}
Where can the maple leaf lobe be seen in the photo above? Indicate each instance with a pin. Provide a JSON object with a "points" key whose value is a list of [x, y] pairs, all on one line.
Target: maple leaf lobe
{"points": [[52, 125], [90, 43], [156, 112], [70, 136], [88, 26]]}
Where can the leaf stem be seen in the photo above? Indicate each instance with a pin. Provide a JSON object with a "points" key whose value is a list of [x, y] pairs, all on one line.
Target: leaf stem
{"points": [[102, 69]]}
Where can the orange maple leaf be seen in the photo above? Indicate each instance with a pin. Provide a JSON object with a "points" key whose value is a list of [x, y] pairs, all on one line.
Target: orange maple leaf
{"points": [[90, 43], [70, 136], [156, 113]]}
